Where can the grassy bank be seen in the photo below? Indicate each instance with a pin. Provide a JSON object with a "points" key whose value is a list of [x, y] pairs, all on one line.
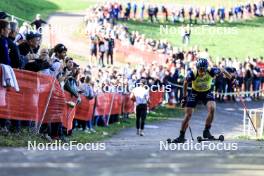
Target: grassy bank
{"points": [[238, 39], [21, 140], [27, 9]]}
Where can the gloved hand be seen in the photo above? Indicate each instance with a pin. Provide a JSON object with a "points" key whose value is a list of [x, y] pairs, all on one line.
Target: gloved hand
{"points": [[183, 101], [235, 83]]}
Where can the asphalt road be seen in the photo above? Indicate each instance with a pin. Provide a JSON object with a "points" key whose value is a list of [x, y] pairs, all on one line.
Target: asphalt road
{"points": [[128, 154]]}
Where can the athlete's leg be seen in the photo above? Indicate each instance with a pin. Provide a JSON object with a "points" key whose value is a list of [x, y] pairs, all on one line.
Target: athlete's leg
{"points": [[187, 118], [191, 103], [211, 109]]}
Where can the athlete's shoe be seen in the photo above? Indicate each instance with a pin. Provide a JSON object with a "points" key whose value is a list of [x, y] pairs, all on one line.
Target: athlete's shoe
{"points": [[207, 134], [179, 139]]}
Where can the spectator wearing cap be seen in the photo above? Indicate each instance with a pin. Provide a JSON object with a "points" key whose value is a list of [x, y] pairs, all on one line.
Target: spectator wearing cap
{"points": [[37, 23], [31, 45], [141, 96]]}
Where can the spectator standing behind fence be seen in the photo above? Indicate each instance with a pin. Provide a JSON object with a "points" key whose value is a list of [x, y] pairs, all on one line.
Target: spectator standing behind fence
{"points": [[17, 60], [141, 96], [8, 50], [4, 59], [31, 45], [60, 52], [87, 91], [4, 42]]}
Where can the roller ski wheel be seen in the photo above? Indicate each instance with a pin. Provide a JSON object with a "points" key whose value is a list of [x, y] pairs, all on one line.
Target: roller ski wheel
{"points": [[169, 140], [221, 138], [177, 140]]}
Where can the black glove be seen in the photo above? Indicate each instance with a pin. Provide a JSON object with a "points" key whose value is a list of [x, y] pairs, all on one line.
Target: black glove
{"points": [[183, 101]]}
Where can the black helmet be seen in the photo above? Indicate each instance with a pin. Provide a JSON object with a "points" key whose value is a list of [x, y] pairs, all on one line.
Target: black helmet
{"points": [[202, 63]]}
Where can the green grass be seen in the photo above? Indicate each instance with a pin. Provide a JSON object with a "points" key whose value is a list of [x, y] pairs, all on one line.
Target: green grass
{"points": [[245, 137], [27, 9], [159, 114], [242, 137], [238, 39], [19, 140]]}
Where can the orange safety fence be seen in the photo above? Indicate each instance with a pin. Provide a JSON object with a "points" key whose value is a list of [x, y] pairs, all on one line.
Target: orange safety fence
{"points": [[84, 111], [109, 103], [128, 106], [156, 98], [29, 103], [42, 100]]}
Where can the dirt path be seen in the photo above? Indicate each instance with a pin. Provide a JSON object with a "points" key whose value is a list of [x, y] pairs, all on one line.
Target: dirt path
{"points": [[64, 27]]}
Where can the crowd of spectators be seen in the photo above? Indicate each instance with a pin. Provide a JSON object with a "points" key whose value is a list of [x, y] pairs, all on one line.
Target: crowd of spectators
{"points": [[179, 13], [250, 72], [21, 49]]}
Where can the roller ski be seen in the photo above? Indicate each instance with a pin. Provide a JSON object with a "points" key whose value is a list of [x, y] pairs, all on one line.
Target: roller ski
{"points": [[208, 137], [180, 139]]}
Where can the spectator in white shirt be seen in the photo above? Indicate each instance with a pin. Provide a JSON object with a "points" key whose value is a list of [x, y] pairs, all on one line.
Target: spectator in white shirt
{"points": [[141, 96]]}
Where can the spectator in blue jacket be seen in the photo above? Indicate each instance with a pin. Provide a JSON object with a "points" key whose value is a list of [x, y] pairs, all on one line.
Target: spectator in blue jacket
{"points": [[4, 42]]}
